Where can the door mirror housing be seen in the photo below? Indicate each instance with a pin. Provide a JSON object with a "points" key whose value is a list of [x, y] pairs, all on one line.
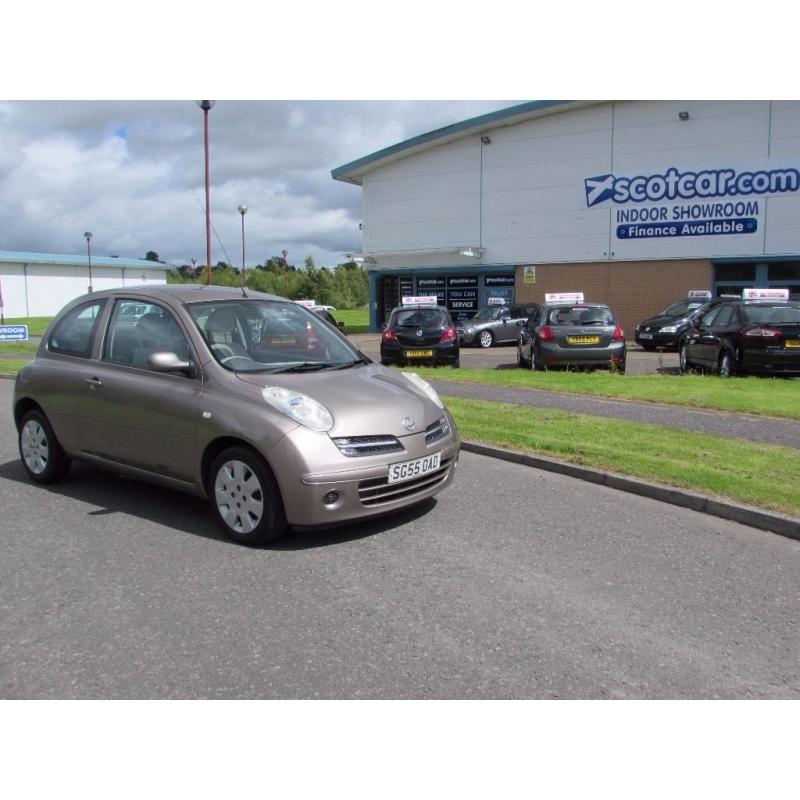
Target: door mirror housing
{"points": [[169, 362]]}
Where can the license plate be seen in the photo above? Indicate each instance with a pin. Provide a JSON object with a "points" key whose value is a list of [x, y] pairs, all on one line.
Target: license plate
{"points": [[793, 343], [284, 340], [583, 339], [419, 353], [645, 335], [407, 470]]}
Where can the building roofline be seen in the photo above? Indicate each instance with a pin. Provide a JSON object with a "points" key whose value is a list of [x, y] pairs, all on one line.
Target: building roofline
{"points": [[355, 170], [19, 257]]}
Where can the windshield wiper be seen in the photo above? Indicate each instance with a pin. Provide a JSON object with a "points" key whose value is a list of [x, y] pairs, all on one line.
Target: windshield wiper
{"points": [[349, 364], [306, 366]]}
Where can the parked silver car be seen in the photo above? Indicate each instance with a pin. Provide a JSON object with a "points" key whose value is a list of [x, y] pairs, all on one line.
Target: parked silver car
{"points": [[245, 398], [493, 325]]}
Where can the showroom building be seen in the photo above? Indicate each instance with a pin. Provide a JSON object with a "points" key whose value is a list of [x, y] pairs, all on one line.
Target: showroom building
{"points": [[40, 284], [633, 203]]}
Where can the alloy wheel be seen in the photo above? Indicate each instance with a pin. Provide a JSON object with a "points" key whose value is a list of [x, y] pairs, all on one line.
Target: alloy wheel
{"points": [[35, 447]]}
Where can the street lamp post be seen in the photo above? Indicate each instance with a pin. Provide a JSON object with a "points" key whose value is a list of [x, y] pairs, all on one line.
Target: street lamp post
{"points": [[285, 253], [88, 237], [207, 105], [243, 211]]}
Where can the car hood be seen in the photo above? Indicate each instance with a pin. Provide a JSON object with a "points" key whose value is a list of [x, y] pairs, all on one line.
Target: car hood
{"points": [[364, 401], [661, 320]]}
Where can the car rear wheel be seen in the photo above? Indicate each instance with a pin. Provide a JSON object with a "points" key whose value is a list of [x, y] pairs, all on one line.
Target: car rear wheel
{"points": [[485, 339], [42, 456], [246, 498], [521, 360]]}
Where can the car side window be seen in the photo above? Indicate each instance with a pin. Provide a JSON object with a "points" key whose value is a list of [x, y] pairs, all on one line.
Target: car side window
{"points": [[724, 318], [136, 331], [711, 318], [74, 334]]}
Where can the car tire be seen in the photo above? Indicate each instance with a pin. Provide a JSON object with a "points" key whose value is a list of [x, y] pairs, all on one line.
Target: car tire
{"points": [[485, 339], [726, 367], [683, 358], [521, 360], [42, 456], [533, 364], [385, 362], [457, 363], [245, 497], [648, 347]]}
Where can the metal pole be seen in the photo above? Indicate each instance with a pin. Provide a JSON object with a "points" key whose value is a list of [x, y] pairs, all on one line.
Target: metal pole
{"points": [[88, 236], [285, 269], [208, 199], [243, 211]]}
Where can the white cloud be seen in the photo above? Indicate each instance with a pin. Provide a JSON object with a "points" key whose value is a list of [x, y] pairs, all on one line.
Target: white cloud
{"points": [[132, 173]]}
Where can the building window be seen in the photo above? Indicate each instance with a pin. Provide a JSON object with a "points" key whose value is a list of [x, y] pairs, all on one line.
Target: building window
{"points": [[735, 272], [784, 272]]}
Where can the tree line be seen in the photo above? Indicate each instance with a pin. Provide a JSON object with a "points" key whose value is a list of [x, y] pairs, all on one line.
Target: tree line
{"points": [[344, 286]]}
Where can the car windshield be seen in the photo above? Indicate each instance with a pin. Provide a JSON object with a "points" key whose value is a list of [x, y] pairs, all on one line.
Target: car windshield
{"points": [[773, 313], [682, 308], [419, 318], [489, 313], [579, 315], [253, 335]]}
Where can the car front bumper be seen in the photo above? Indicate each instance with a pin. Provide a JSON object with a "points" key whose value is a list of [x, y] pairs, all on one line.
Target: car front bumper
{"points": [[442, 353], [361, 483]]}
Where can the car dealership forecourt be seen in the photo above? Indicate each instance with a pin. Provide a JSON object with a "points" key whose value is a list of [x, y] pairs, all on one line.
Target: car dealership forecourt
{"points": [[635, 203]]}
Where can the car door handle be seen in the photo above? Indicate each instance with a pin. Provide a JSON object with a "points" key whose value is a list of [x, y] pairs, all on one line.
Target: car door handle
{"points": [[93, 381]]}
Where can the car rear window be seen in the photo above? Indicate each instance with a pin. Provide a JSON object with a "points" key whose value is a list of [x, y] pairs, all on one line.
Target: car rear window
{"points": [[579, 315], [777, 313], [420, 318]]}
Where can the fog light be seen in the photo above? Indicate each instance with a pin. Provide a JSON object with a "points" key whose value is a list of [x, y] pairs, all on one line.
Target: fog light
{"points": [[331, 498]]}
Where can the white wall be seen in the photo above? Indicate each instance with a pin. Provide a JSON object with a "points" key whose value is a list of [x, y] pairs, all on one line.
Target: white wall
{"points": [[533, 206], [51, 287]]}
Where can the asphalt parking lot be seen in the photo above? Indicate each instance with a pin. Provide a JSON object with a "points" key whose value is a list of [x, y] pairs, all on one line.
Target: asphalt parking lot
{"points": [[513, 583], [639, 362]]}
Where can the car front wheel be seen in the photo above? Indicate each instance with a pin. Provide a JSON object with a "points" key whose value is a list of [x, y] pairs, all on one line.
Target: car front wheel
{"points": [[683, 358], [246, 498], [485, 339], [41, 453], [726, 365]]}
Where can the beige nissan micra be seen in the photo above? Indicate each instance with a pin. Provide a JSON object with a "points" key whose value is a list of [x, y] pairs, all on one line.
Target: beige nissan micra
{"points": [[245, 398]]}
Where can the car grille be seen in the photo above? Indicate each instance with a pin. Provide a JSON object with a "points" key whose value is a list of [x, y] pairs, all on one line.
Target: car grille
{"points": [[436, 430], [355, 446], [375, 491]]}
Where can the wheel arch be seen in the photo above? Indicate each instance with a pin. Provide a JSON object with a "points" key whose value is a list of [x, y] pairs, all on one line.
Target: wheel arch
{"points": [[216, 446], [22, 407]]}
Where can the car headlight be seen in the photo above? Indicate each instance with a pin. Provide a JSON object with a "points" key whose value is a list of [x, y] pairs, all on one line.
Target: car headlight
{"points": [[668, 329], [421, 383], [299, 407]]}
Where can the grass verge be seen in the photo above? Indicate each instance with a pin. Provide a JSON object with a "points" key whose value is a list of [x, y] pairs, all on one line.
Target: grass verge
{"points": [[11, 366], [356, 320], [36, 325], [18, 348], [774, 397], [748, 472]]}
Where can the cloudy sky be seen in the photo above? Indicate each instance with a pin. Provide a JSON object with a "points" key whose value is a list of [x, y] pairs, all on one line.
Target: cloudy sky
{"points": [[132, 173]]}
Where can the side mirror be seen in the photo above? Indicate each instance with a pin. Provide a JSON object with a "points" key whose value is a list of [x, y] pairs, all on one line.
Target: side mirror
{"points": [[340, 325], [169, 362]]}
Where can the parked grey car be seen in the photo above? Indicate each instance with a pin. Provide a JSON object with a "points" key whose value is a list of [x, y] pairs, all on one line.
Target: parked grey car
{"points": [[493, 325], [245, 398], [572, 335]]}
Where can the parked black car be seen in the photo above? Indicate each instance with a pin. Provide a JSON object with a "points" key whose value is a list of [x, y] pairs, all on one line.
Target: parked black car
{"points": [[494, 325], [664, 331], [740, 336], [323, 312], [572, 335], [420, 334]]}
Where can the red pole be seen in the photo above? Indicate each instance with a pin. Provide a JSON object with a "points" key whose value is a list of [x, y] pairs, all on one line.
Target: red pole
{"points": [[208, 200]]}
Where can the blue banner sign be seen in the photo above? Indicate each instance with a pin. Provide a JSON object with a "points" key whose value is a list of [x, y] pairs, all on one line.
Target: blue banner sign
{"points": [[701, 227], [13, 333]]}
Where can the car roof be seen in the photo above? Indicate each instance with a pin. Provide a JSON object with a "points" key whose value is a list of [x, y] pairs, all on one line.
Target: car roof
{"points": [[185, 293], [417, 307]]}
